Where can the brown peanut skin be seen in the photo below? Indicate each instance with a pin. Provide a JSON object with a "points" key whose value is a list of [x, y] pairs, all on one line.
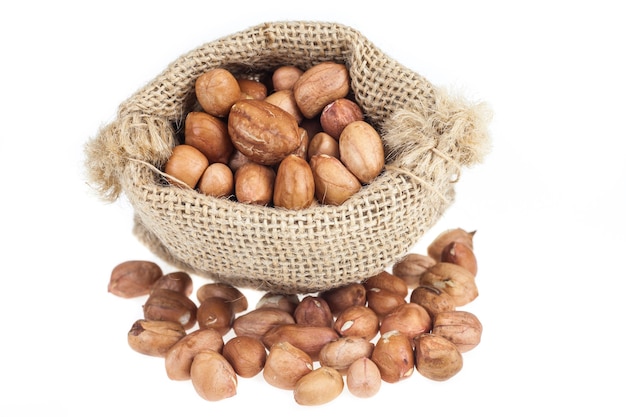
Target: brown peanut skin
{"points": [[285, 302], [216, 313], [338, 114], [410, 319], [154, 338], [186, 164], [212, 376], [313, 311], [387, 281], [444, 238], [285, 365], [252, 88], [254, 184], [256, 323], [170, 305], [262, 131], [310, 339], [320, 386], [217, 90], [460, 254], [208, 134], [340, 298], [217, 180], [411, 268], [179, 357], [453, 279], [436, 357], [134, 278], [247, 355], [334, 183], [394, 356], [361, 150], [284, 77], [178, 281], [234, 296], [286, 101], [323, 143], [358, 321], [303, 149], [341, 353], [383, 301], [434, 300], [294, 187], [460, 327], [320, 85]]}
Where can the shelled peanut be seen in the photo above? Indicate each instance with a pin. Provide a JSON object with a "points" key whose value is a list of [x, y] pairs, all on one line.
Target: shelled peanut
{"points": [[359, 336], [298, 141]]}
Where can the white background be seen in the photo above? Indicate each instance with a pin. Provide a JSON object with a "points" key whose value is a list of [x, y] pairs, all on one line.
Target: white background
{"points": [[548, 203]]}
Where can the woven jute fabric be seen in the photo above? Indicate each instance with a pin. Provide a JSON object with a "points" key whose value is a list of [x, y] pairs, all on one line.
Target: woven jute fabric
{"points": [[429, 137]]}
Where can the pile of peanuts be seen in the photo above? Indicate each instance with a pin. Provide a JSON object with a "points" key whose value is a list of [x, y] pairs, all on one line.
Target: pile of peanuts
{"points": [[358, 336], [295, 139]]}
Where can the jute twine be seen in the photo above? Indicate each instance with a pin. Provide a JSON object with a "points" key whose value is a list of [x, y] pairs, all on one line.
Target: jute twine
{"points": [[429, 136]]}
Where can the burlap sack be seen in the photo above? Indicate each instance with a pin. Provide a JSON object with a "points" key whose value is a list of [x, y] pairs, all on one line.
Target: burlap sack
{"points": [[429, 137]]}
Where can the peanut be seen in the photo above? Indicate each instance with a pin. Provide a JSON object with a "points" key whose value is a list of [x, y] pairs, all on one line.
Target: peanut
{"points": [[209, 135], [217, 181], [363, 378], [212, 376], [178, 281], [361, 150], [246, 354], [334, 183], [170, 305], [254, 184], [217, 90], [216, 313], [133, 278], [294, 187], [313, 311], [154, 338], [318, 387], [257, 323], [186, 164], [436, 357], [338, 114], [320, 85], [310, 339], [179, 357], [285, 365], [262, 131], [393, 354]]}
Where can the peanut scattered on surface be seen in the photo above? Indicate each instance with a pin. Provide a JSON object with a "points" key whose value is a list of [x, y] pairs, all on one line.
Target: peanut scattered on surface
{"points": [[362, 334]]}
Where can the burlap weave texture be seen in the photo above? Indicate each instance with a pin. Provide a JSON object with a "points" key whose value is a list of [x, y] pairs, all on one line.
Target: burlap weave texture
{"points": [[429, 137]]}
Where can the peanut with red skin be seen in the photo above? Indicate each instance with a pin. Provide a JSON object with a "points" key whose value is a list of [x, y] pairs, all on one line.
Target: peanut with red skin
{"points": [[256, 323], [436, 357], [212, 376], [285, 365], [393, 354], [247, 355], [179, 357], [154, 338], [134, 278], [358, 321]]}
